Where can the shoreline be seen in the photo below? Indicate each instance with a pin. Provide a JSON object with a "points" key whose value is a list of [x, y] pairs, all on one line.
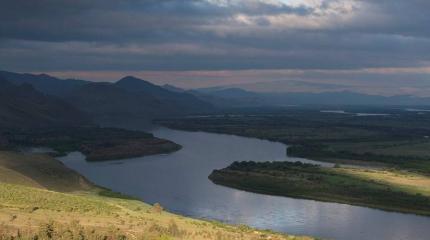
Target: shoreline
{"points": [[336, 185]]}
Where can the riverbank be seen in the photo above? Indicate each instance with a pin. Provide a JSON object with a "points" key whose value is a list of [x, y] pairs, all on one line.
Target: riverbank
{"points": [[39, 196], [400, 140], [394, 191]]}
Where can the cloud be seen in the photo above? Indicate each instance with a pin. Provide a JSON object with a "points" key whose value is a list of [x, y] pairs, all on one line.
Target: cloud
{"points": [[179, 35]]}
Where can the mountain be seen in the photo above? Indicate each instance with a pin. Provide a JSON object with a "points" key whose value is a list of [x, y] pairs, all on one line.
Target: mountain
{"points": [[129, 98], [282, 86], [133, 99], [106, 102], [134, 84], [43, 82], [236, 97], [230, 97], [343, 98], [173, 88], [229, 92], [182, 101], [22, 106]]}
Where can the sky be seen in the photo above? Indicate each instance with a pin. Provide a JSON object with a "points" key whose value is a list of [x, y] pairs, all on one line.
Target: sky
{"points": [[371, 46]]}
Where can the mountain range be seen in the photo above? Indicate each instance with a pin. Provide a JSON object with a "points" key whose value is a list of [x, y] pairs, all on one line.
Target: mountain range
{"points": [[37, 100], [112, 103], [236, 97]]}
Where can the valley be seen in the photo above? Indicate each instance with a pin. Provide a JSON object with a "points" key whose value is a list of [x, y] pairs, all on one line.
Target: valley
{"points": [[214, 120], [370, 156], [179, 182], [382, 154], [398, 140]]}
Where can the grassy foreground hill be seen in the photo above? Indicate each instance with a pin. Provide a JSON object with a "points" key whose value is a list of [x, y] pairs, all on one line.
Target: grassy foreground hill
{"points": [[40, 198]]}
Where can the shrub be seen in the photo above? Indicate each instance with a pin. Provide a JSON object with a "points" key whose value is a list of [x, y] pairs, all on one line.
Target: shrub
{"points": [[157, 208]]}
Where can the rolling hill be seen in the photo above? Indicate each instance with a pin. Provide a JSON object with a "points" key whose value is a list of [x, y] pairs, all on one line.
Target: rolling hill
{"points": [[22, 106]]}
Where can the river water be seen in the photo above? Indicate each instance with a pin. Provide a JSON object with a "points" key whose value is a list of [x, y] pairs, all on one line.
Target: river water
{"points": [[179, 182]]}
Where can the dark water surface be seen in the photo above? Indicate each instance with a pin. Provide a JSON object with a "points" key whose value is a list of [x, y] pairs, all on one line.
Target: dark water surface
{"points": [[179, 182]]}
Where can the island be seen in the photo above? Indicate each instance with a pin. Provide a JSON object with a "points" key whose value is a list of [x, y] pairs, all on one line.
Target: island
{"points": [[399, 191]]}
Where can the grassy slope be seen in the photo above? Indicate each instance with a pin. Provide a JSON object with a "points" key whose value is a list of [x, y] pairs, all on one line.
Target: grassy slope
{"points": [[389, 190], [39, 170], [29, 207]]}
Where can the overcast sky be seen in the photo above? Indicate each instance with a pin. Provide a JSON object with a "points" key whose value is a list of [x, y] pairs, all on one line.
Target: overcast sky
{"points": [[376, 46]]}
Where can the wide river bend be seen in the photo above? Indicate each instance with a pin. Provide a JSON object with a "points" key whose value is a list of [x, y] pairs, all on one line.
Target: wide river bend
{"points": [[179, 182]]}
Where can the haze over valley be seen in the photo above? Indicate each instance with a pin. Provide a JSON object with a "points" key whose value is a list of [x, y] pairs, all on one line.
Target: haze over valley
{"points": [[209, 119]]}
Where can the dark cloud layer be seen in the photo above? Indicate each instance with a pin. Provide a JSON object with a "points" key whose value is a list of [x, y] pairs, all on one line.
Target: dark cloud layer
{"points": [[51, 35]]}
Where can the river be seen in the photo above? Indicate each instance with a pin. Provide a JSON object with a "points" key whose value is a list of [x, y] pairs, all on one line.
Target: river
{"points": [[179, 182]]}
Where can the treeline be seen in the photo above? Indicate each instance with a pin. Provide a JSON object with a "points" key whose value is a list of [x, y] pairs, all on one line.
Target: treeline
{"points": [[251, 165]]}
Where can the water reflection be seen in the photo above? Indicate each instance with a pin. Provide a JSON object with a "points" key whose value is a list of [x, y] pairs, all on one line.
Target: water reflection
{"points": [[179, 182]]}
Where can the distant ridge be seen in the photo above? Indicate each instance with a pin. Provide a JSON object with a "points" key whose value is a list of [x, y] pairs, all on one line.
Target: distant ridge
{"points": [[173, 88], [187, 102], [129, 98], [135, 99], [243, 98]]}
